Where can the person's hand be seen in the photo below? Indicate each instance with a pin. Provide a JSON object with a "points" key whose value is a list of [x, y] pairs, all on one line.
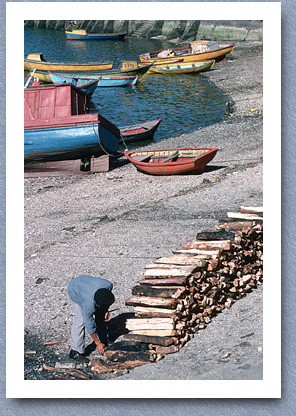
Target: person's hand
{"points": [[100, 347]]}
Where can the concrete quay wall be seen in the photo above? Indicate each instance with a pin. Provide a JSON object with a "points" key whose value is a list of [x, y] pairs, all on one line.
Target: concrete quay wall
{"points": [[173, 30]]}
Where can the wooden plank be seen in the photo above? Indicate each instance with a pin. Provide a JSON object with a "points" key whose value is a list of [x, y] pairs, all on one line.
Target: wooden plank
{"points": [[100, 164], [167, 281], [156, 332], [215, 235], [163, 273], [150, 323], [207, 245], [158, 291], [155, 312], [167, 349], [199, 261], [193, 252], [252, 210], [185, 268], [244, 216], [151, 301], [49, 169], [156, 340]]}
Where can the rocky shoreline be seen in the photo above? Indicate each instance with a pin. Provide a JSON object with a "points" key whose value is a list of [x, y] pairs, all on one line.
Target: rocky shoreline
{"points": [[112, 224]]}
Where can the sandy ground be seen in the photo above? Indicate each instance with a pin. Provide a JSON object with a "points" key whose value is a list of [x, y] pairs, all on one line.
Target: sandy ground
{"points": [[112, 224]]}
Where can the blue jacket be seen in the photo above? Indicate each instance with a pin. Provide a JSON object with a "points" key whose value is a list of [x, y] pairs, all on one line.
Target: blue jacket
{"points": [[81, 290]]}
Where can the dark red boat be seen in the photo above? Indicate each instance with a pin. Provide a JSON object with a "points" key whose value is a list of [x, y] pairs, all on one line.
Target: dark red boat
{"points": [[187, 160]]}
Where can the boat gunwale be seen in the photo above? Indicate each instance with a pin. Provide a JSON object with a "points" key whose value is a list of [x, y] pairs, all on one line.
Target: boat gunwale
{"points": [[158, 164]]}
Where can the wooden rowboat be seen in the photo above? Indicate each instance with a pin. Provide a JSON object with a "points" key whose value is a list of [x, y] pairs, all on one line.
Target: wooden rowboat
{"points": [[83, 35], [36, 61], [102, 81], [140, 131], [171, 161], [127, 68], [184, 68], [196, 51]]}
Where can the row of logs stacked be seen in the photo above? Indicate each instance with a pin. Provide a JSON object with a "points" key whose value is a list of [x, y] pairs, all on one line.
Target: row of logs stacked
{"points": [[180, 294]]}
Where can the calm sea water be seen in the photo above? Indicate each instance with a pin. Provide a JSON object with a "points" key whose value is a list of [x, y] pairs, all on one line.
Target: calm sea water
{"points": [[184, 102]]}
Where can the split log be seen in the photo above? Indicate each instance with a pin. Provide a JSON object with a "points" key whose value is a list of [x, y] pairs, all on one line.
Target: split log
{"points": [[199, 261], [62, 341], [235, 224], [156, 340], [207, 245], [193, 252], [163, 273], [151, 301], [157, 332], [252, 210], [166, 350], [181, 281], [185, 268], [150, 323], [155, 312], [244, 216], [158, 291], [216, 235]]}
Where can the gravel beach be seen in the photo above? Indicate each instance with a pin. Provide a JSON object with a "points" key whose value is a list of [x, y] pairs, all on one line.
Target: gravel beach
{"points": [[112, 224]]}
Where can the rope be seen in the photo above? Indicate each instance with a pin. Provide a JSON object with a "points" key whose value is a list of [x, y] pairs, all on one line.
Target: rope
{"points": [[98, 139]]}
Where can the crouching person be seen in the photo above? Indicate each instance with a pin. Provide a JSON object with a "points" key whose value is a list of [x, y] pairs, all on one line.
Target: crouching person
{"points": [[90, 297]]}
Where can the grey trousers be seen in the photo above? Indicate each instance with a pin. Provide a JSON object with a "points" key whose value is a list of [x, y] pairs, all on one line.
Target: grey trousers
{"points": [[78, 329]]}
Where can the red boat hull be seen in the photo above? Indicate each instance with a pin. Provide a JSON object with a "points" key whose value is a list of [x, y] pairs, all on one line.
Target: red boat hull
{"points": [[180, 166]]}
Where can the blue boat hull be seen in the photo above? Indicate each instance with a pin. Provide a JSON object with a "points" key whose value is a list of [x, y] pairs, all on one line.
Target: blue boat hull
{"points": [[66, 143], [103, 80], [93, 36]]}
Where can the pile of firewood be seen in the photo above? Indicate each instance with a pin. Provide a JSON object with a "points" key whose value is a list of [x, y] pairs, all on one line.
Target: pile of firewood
{"points": [[180, 294]]}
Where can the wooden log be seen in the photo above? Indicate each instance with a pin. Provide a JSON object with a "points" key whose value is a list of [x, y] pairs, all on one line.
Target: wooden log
{"points": [[207, 245], [167, 273], [156, 340], [158, 291], [215, 235], [151, 301], [237, 225], [166, 350], [150, 323], [193, 252], [199, 261], [252, 210], [155, 312], [157, 332], [165, 266], [244, 216], [181, 281]]}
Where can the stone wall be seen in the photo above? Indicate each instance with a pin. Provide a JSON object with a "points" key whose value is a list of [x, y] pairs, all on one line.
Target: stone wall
{"points": [[175, 30]]}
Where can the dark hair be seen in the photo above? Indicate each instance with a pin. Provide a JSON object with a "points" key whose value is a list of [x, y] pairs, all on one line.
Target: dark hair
{"points": [[103, 298]]}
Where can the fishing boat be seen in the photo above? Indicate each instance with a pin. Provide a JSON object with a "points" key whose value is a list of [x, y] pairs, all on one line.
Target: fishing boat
{"points": [[195, 51], [58, 127], [127, 68], [184, 68], [171, 161], [37, 61], [102, 81], [83, 35], [140, 131]]}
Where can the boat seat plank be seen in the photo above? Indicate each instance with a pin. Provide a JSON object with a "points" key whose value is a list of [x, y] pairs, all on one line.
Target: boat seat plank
{"points": [[141, 158], [170, 157]]}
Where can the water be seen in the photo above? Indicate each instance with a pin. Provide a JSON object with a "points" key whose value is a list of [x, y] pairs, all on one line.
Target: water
{"points": [[184, 102]]}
